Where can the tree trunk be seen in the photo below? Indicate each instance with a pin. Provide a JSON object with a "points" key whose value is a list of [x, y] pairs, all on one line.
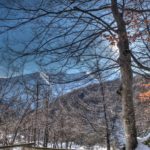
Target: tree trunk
{"points": [[102, 91], [46, 122], [118, 133], [105, 117], [66, 144], [126, 76], [45, 137], [36, 113]]}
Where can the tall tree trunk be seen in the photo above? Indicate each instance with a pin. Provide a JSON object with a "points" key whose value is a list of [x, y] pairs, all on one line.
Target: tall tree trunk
{"points": [[102, 91], [126, 76], [36, 113], [105, 116], [45, 137], [46, 123]]}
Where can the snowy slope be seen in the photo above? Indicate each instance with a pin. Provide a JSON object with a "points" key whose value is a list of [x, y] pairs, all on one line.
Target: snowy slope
{"points": [[58, 82]]}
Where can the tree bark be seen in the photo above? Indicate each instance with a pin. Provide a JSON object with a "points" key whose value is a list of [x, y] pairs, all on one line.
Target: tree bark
{"points": [[126, 76]]}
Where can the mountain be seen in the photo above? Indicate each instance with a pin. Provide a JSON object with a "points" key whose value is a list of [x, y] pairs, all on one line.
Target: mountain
{"points": [[59, 81], [21, 93]]}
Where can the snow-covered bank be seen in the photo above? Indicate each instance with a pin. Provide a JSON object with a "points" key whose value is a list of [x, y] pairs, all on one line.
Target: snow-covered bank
{"points": [[141, 146], [143, 139]]}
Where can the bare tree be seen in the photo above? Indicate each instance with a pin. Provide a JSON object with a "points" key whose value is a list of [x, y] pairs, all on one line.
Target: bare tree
{"points": [[79, 25]]}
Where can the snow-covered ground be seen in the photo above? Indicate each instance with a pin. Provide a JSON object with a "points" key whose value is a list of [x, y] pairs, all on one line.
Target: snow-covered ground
{"points": [[79, 148], [96, 147], [141, 146]]}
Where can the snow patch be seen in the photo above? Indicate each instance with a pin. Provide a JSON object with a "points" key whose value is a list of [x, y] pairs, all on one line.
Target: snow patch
{"points": [[141, 146], [144, 138], [17, 148]]}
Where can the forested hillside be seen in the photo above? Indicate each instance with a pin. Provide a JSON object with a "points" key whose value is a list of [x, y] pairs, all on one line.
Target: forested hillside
{"points": [[88, 115]]}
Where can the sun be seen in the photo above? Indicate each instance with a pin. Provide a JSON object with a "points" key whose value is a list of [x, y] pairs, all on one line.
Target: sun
{"points": [[114, 47]]}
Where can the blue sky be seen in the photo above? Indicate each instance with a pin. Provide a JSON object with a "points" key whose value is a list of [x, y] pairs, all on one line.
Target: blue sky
{"points": [[18, 38], [15, 39]]}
